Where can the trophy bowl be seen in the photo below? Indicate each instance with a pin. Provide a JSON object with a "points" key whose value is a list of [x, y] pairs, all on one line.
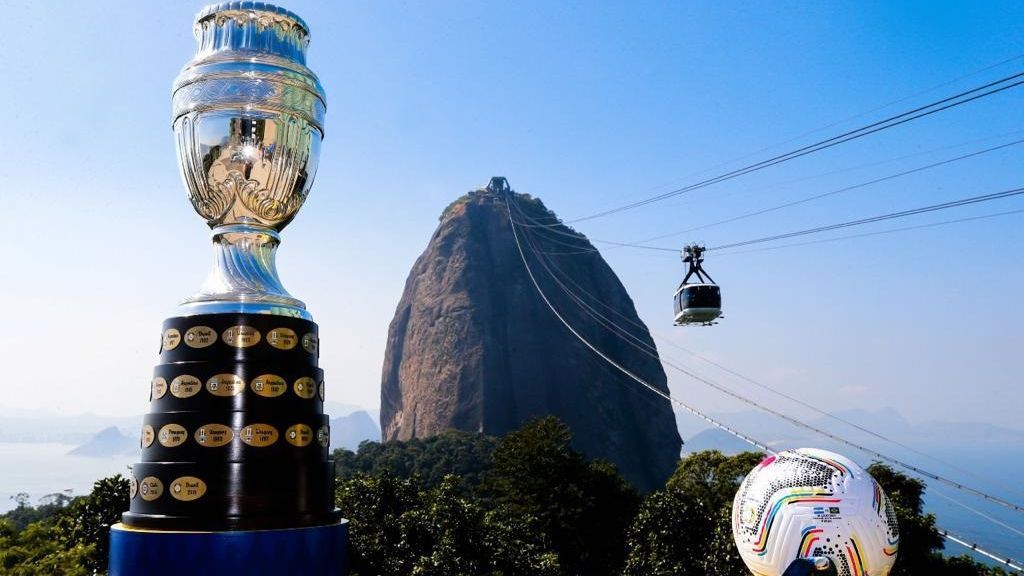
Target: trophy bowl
{"points": [[254, 169], [248, 120]]}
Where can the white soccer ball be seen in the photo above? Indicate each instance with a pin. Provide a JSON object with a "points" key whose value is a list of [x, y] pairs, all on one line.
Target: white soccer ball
{"points": [[813, 503]]}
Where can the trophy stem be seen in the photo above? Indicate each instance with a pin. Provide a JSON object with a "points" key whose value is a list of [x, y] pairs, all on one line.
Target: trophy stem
{"points": [[244, 276]]}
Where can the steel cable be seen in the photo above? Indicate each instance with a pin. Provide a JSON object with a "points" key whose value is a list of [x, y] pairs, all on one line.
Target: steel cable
{"points": [[557, 274], [959, 99], [760, 445], [796, 422]]}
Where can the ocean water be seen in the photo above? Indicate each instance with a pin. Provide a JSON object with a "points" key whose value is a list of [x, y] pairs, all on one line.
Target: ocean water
{"points": [[44, 468], [996, 470], [1000, 530]]}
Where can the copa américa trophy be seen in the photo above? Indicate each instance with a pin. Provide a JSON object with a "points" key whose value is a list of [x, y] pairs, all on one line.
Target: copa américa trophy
{"points": [[235, 474]]}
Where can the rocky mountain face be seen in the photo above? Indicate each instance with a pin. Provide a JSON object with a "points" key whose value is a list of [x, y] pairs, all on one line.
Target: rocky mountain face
{"points": [[474, 347]]}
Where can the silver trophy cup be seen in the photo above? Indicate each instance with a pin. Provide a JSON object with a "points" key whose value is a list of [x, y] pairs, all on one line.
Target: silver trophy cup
{"points": [[248, 121]]}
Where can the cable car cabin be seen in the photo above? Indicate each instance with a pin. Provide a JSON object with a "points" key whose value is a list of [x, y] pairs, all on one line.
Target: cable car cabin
{"points": [[698, 304]]}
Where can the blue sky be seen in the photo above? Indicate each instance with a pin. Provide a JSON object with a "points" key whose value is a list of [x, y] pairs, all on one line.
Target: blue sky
{"points": [[586, 105]]}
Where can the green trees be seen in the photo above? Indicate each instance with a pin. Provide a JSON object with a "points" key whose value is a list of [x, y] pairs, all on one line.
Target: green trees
{"points": [[532, 505], [463, 454], [686, 529], [582, 508], [67, 540], [523, 505], [540, 509], [35, 551], [86, 522], [669, 536], [25, 514], [398, 528]]}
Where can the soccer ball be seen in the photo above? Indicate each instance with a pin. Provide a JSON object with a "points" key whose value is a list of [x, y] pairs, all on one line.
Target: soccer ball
{"points": [[812, 503]]}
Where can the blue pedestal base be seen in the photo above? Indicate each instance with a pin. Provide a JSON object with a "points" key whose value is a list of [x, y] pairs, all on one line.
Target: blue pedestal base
{"points": [[316, 551]]}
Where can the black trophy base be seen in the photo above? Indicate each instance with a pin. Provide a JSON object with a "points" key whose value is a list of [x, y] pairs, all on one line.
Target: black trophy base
{"points": [[238, 496], [236, 438]]}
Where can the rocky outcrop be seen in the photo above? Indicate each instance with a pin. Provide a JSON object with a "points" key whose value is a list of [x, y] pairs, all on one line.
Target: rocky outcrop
{"points": [[474, 347]]}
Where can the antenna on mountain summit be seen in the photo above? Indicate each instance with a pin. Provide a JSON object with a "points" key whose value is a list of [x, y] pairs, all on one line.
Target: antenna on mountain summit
{"points": [[498, 185]]}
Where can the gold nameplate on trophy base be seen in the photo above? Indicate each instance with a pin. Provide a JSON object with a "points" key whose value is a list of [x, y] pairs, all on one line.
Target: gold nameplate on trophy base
{"points": [[147, 436], [158, 388], [305, 387], [151, 488], [282, 338], [311, 343], [269, 385], [214, 435], [185, 386], [172, 435], [241, 336], [259, 435], [171, 339], [200, 337], [225, 384], [188, 488], [299, 435]]}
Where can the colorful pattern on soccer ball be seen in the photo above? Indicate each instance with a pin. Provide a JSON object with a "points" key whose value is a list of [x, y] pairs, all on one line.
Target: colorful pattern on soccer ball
{"points": [[807, 502]]}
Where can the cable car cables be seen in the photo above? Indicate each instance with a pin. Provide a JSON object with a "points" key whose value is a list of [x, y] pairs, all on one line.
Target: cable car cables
{"points": [[977, 512], [717, 424], [837, 191], [557, 273], [866, 112], [955, 100], [889, 216], [850, 223], [549, 229], [647, 348], [1008, 562], [794, 421], [880, 232]]}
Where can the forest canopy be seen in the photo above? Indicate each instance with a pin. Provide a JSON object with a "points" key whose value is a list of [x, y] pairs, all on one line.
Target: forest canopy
{"points": [[526, 504]]}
